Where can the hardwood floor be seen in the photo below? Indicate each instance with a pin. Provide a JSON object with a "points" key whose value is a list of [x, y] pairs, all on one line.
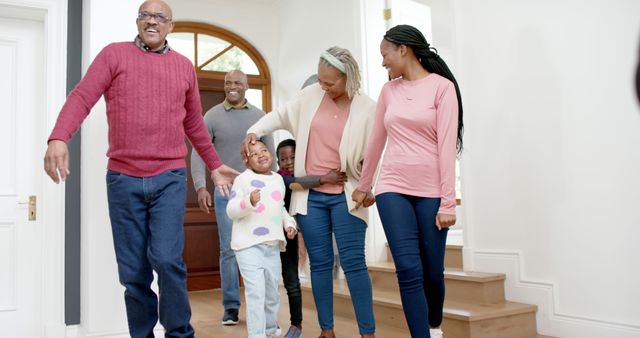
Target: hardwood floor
{"points": [[206, 308]]}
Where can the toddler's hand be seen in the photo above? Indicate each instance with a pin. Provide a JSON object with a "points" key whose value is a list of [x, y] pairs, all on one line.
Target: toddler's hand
{"points": [[335, 177], [291, 232], [255, 197]]}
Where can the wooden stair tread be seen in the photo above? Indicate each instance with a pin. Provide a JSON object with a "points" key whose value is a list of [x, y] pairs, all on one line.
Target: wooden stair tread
{"points": [[448, 273], [452, 309], [474, 312]]}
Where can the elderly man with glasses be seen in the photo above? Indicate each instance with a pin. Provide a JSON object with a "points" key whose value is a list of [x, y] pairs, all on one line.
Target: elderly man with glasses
{"points": [[152, 100]]}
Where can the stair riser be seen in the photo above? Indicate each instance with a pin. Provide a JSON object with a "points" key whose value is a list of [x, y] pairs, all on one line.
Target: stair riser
{"points": [[514, 326], [388, 316], [482, 293], [452, 257]]}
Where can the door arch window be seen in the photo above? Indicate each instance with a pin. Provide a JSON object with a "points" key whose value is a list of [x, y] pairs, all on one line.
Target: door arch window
{"points": [[214, 51]]}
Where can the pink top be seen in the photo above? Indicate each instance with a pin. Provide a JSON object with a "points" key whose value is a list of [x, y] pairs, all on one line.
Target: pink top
{"points": [[152, 103], [323, 147], [418, 120]]}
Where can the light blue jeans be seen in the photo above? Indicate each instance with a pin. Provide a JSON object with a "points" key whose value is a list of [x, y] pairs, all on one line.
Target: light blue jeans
{"points": [[229, 279], [260, 269]]}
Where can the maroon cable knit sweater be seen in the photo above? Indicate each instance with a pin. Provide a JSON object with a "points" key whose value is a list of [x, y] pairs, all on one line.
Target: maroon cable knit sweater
{"points": [[152, 102]]}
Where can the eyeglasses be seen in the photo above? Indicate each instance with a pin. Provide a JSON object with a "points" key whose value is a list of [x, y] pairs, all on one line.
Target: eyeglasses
{"points": [[146, 16]]}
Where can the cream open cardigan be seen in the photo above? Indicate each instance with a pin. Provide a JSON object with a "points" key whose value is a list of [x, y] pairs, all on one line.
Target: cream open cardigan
{"points": [[296, 116]]}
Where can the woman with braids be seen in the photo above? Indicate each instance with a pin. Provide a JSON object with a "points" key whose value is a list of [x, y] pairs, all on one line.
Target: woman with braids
{"points": [[419, 116], [331, 122]]}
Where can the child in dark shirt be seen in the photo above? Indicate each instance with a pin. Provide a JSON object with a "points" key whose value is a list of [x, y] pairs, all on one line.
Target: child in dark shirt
{"points": [[286, 157]]}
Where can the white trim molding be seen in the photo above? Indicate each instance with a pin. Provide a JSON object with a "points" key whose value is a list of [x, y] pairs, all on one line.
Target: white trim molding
{"points": [[550, 320], [53, 14]]}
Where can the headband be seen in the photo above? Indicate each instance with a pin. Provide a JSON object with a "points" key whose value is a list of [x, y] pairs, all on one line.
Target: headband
{"points": [[334, 61]]}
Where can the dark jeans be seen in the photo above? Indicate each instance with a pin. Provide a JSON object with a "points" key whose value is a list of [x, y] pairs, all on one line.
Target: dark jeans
{"points": [[327, 214], [417, 247], [291, 281], [147, 216]]}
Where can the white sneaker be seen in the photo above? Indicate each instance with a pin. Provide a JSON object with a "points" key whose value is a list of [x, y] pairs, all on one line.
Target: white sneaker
{"points": [[276, 334], [436, 333]]}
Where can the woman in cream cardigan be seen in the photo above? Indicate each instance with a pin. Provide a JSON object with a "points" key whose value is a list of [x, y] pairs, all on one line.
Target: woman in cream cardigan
{"points": [[331, 122]]}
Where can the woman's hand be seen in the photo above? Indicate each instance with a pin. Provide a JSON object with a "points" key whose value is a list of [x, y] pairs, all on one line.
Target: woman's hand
{"points": [[365, 199], [444, 221], [248, 140]]}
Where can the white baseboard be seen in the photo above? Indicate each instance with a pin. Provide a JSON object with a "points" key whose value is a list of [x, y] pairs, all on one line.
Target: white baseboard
{"points": [[543, 294], [76, 331]]}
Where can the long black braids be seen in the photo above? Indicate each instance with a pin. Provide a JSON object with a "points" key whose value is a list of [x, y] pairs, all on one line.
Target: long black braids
{"points": [[429, 59]]}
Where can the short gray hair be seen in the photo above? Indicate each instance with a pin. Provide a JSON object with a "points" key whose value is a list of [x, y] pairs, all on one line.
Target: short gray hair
{"points": [[351, 67]]}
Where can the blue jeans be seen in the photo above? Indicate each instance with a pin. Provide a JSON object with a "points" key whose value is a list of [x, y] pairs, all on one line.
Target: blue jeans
{"points": [[327, 213], [260, 268], [229, 278], [147, 216], [417, 247]]}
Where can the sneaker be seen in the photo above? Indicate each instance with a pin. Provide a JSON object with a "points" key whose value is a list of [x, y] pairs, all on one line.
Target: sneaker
{"points": [[294, 332], [230, 317], [277, 334], [436, 333]]}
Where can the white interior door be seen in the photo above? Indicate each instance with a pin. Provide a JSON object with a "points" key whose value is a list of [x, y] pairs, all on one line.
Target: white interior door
{"points": [[21, 240]]}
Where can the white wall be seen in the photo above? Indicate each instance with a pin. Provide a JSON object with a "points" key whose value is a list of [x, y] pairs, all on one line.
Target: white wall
{"points": [[551, 168], [102, 310]]}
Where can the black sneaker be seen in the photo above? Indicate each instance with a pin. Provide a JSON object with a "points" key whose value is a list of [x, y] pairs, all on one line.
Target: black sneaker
{"points": [[230, 317]]}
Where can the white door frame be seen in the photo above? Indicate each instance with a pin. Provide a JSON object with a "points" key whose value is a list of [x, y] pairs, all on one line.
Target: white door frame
{"points": [[53, 13]]}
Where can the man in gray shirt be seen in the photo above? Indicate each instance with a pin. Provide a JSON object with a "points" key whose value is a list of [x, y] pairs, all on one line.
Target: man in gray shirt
{"points": [[227, 123]]}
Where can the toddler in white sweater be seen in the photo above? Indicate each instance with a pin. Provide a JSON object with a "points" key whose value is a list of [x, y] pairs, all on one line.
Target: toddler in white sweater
{"points": [[256, 206]]}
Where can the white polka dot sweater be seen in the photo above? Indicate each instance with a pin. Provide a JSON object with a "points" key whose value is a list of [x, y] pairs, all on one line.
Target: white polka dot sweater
{"points": [[264, 222]]}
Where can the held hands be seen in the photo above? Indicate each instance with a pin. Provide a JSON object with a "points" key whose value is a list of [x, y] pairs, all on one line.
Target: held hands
{"points": [[204, 199], [444, 221], [223, 178], [255, 197], [56, 161], [335, 176], [291, 232], [365, 199]]}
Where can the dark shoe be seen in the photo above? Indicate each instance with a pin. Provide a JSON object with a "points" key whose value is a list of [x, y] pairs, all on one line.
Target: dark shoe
{"points": [[230, 317]]}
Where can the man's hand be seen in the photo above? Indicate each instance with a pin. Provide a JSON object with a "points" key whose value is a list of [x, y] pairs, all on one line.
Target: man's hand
{"points": [[248, 140], [444, 221], [364, 199], [334, 177], [204, 199], [291, 232], [56, 161], [255, 197], [223, 178]]}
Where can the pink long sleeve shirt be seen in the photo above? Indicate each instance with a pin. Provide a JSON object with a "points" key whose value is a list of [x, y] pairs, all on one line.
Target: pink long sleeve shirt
{"points": [[418, 120], [152, 103]]}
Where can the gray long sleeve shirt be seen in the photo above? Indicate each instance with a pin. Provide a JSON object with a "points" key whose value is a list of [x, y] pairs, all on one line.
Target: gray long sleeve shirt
{"points": [[227, 127]]}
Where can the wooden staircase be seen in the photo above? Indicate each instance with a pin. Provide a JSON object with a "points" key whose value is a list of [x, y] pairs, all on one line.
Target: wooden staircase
{"points": [[475, 305]]}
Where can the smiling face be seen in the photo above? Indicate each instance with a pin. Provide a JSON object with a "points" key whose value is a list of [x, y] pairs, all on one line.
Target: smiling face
{"points": [[260, 158], [332, 81], [154, 26], [235, 85], [286, 158], [393, 58]]}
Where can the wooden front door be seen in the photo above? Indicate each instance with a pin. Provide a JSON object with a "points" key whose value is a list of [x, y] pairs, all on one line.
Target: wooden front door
{"points": [[202, 249]]}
